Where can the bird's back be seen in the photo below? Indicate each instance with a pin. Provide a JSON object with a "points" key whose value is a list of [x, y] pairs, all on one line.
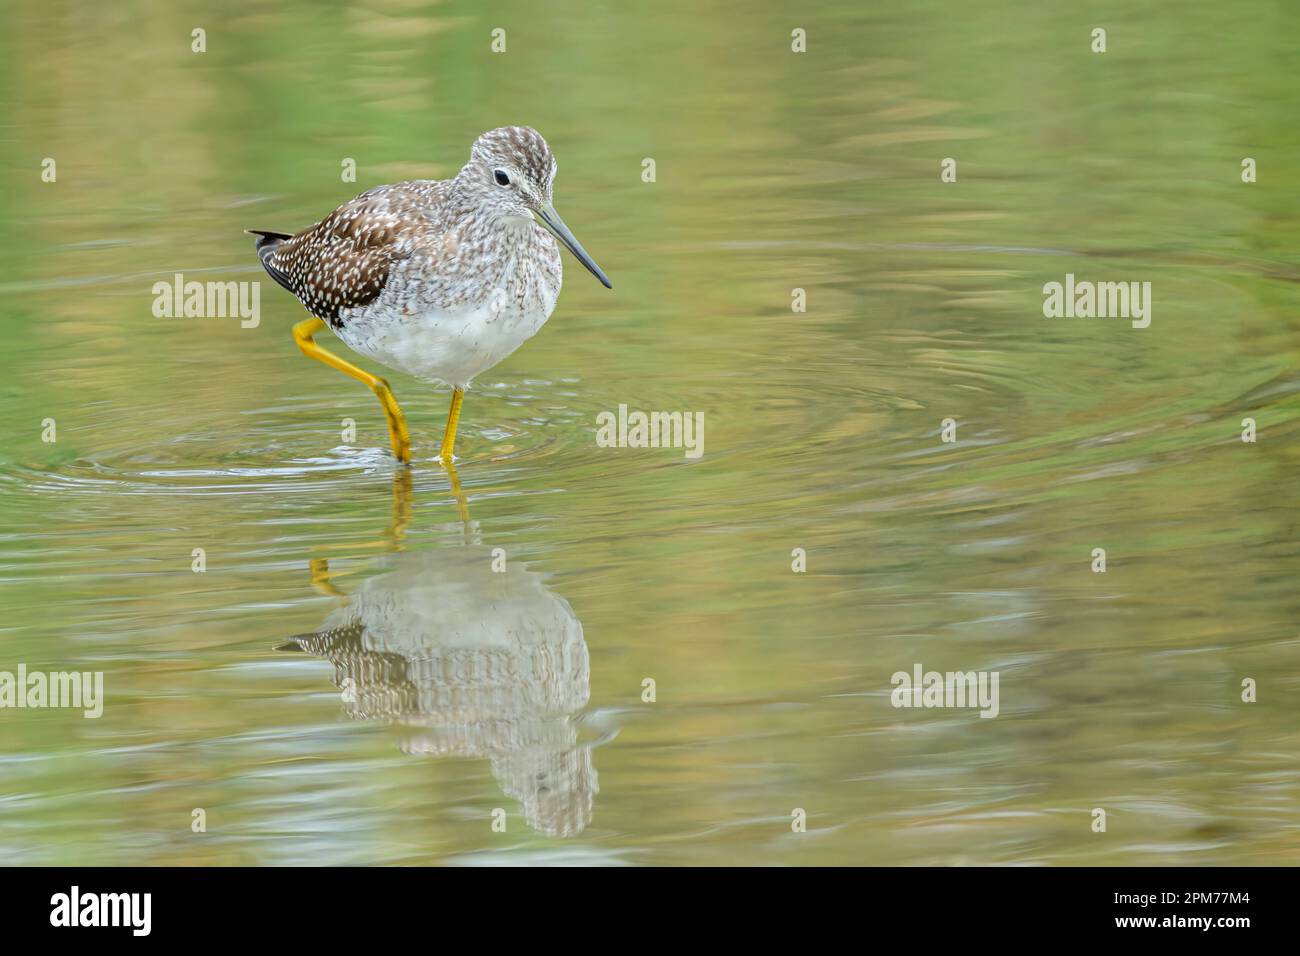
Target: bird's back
{"points": [[346, 260]]}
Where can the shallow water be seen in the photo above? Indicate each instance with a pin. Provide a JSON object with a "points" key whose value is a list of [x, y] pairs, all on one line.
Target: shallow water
{"points": [[350, 681]]}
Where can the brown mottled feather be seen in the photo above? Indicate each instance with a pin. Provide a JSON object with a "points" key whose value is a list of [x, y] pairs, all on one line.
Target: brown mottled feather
{"points": [[345, 259]]}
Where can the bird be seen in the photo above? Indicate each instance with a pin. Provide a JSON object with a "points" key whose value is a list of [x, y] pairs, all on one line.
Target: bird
{"points": [[438, 279], [471, 659]]}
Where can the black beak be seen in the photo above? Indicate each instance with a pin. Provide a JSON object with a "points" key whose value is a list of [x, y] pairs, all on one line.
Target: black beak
{"points": [[553, 222]]}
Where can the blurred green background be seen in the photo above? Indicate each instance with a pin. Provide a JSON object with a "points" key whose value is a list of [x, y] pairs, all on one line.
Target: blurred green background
{"points": [[455, 692]]}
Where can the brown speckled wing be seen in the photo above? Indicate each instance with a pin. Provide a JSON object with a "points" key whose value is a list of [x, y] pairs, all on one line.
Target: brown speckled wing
{"points": [[344, 260]]}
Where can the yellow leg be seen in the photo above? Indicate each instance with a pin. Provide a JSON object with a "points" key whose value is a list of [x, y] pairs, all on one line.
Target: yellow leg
{"points": [[303, 334], [402, 496], [320, 578], [453, 419], [462, 503]]}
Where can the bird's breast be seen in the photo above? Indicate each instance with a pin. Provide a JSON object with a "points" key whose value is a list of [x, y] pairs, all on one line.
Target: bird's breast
{"points": [[451, 325]]}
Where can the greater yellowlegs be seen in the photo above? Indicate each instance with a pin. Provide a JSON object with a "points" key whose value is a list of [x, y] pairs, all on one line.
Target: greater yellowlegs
{"points": [[440, 279], [471, 660]]}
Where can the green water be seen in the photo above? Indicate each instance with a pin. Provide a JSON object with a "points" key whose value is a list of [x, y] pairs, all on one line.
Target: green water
{"points": [[448, 690]]}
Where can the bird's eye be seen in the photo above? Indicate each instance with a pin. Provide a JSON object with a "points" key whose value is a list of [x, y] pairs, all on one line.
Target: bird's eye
{"points": [[501, 177]]}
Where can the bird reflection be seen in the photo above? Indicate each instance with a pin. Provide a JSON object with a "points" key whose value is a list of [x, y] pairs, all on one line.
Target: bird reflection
{"points": [[477, 657]]}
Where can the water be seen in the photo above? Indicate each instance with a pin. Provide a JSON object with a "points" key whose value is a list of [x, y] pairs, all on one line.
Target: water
{"points": [[446, 690]]}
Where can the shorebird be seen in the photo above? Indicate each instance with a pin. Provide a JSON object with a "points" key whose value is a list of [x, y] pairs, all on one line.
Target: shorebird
{"points": [[440, 279], [469, 661], [472, 658]]}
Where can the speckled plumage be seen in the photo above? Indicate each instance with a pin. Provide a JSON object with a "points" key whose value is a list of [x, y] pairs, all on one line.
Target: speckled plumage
{"points": [[475, 663], [441, 279]]}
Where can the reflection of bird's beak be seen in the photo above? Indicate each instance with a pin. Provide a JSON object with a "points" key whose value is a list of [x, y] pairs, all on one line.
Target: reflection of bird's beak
{"points": [[557, 226]]}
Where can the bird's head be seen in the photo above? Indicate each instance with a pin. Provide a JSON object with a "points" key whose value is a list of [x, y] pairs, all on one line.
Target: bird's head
{"points": [[511, 172]]}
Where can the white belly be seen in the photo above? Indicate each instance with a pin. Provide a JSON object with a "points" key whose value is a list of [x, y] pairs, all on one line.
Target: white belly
{"points": [[437, 346]]}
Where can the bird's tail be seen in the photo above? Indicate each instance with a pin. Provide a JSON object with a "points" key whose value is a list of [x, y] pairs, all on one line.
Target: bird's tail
{"points": [[267, 243]]}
